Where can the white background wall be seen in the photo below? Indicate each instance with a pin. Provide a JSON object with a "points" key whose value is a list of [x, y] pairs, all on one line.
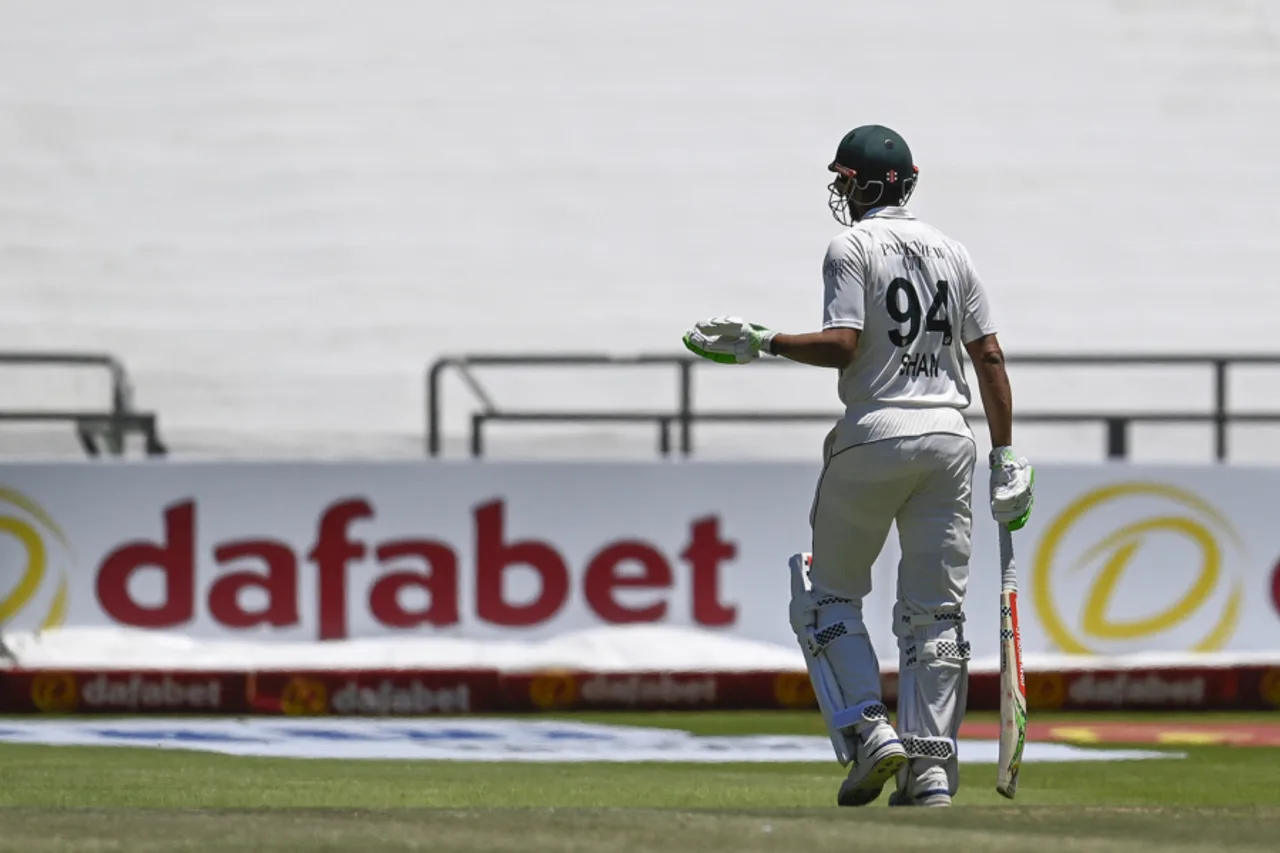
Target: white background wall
{"points": [[278, 211]]}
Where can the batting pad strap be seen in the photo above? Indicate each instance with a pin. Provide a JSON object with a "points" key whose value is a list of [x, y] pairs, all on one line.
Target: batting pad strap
{"points": [[932, 650], [866, 712], [839, 617], [945, 616], [818, 640], [807, 603], [938, 748]]}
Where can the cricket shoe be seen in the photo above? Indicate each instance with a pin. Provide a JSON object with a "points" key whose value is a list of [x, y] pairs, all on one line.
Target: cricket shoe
{"points": [[927, 789], [879, 758], [928, 798]]}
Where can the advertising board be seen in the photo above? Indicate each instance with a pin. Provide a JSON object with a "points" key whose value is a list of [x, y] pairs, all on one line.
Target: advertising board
{"points": [[1116, 560]]}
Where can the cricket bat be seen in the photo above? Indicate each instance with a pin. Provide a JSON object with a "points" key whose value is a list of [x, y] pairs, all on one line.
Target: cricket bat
{"points": [[1013, 687]]}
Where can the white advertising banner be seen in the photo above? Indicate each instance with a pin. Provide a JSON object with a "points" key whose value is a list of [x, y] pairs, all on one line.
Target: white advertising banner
{"points": [[1117, 559]]}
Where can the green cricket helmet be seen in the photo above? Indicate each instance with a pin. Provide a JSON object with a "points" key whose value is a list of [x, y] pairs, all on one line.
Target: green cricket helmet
{"points": [[871, 157]]}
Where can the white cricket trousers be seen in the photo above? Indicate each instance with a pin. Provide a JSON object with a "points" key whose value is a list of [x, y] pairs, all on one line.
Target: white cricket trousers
{"points": [[925, 483]]}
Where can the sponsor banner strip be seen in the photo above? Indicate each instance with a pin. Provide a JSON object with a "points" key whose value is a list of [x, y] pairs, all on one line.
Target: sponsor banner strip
{"points": [[373, 692], [79, 691], [400, 692]]}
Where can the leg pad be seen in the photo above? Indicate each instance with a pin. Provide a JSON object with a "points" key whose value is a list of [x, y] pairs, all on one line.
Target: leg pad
{"points": [[838, 654]]}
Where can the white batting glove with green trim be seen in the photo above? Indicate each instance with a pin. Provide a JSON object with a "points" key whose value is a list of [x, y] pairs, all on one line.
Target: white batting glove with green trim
{"points": [[728, 340], [1013, 483]]}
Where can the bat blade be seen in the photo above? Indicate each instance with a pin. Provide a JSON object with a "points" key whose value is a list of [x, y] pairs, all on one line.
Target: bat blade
{"points": [[1013, 688]]}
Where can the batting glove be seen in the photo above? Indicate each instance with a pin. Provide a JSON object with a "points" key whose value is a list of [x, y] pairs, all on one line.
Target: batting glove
{"points": [[1013, 482], [728, 340]]}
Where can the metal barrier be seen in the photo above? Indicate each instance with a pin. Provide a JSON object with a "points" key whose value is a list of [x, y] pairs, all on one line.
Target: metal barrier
{"points": [[683, 416], [107, 428]]}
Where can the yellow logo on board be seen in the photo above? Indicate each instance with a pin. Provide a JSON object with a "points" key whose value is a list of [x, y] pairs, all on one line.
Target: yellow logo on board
{"points": [[1180, 514], [37, 534]]}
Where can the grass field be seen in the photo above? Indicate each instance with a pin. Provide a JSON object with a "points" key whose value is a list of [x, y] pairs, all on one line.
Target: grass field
{"points": [[60, 799]]}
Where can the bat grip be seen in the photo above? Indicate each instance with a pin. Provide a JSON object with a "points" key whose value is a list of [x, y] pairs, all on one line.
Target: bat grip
{"points": [[1008, 570]]}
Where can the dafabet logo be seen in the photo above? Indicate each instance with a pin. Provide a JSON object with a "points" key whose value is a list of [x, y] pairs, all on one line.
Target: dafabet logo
{"points": [[35, 561], [1133, 566]]}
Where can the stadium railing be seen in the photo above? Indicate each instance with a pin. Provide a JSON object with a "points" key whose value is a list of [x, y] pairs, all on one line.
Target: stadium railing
{"points": [[682, 418], [97, 430]]}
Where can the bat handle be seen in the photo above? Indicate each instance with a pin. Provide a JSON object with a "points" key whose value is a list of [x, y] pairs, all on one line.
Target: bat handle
{"points": [[1008, 569]]}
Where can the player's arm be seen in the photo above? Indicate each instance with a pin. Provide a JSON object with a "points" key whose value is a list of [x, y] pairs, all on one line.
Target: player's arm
{"points": [[1012, 477], [993, 384], [829, 348], [731, 340], [843, 309]]}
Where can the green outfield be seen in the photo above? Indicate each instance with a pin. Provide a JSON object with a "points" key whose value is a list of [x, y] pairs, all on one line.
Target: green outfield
{"points": [[105, 799]]}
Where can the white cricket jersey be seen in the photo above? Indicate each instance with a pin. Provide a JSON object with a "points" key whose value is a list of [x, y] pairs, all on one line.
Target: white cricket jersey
{"points": [[915, 296]]}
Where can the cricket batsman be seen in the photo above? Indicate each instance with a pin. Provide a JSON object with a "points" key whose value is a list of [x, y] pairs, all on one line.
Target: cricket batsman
{"points": [[901, 302]]}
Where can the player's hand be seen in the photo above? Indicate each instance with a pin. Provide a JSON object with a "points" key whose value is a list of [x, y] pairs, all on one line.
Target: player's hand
{"points": [[1013, 482], [727, 340]]}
